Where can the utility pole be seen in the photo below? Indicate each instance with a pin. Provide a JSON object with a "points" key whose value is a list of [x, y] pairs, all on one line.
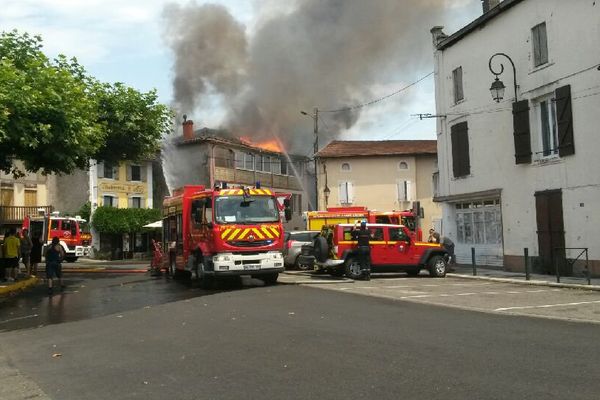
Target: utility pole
{"points": [[316, 150]]}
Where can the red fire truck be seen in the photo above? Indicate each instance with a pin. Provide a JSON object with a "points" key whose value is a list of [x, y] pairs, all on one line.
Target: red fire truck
{"points": [[223, 232], [349, 215], [73, 233]]}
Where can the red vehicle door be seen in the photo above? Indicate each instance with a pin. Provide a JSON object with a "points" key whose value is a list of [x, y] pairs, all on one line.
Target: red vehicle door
{"points": [[398, 247], [379, 254]]}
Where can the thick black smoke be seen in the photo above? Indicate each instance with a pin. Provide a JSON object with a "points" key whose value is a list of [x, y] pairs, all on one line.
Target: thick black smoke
{"points": [[324, 53]]}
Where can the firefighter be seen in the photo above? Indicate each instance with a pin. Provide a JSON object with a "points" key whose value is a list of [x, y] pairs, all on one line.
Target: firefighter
{"points": [[363, 251]]}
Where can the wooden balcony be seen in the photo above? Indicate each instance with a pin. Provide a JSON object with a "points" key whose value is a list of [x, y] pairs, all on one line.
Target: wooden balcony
{"points": [[16, 214]]}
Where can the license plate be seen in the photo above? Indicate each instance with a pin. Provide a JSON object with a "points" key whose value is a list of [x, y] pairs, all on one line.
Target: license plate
{"points": [[251, 266]]}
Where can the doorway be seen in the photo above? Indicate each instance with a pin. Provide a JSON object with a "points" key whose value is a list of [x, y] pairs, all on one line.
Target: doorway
{"points": [[550, 231]]}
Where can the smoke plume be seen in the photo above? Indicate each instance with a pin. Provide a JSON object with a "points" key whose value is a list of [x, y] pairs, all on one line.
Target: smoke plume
{"points": [[324, 53]]}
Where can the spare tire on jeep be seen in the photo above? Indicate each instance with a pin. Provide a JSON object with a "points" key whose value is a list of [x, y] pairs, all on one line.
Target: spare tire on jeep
{"points": [[321, 249]]}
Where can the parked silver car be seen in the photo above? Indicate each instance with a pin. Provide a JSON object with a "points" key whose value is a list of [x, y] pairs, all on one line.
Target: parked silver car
{"points": [[293, 242]]}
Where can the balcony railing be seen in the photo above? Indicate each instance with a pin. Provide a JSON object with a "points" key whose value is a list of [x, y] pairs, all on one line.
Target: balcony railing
{"points": [[16, 214]]}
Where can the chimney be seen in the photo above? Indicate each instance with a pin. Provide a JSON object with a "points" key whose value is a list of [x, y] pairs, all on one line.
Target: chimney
{"points": [[188, 129], [438, 35], [489, 4]]}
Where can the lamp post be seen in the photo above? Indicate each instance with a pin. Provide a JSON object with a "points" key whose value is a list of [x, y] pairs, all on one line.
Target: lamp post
{"points": [[315, 117], [497, 89], [326, 192]]}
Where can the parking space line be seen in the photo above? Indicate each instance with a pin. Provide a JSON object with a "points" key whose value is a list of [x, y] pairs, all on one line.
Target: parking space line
{"points": [[547, 306], [465, 294]]}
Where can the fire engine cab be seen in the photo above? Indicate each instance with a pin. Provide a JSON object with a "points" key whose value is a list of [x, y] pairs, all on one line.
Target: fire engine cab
{"points": [[221, 232], [72, 232]]}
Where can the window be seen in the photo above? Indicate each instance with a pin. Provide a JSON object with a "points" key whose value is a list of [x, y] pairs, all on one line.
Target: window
{"points": [[404, 191], [457, 83], [54, 224], [284, 167], [7, 194], [135, 202], [398, 235], [345, 166], [479, 222], [546, 110], [266, 160], [346, 193], [540, 44], [30, 197], [110, 172], [403, 165], [276, 165], [240, 159], [249, 161], [297, 203], [460, 149], [109, 201], [136, 173]]}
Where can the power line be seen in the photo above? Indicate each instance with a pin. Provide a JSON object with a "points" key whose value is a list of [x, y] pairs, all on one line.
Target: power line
{"points": [[369, 103]]}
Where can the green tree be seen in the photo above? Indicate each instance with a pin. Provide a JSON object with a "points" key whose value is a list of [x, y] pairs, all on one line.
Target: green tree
{"points": [[123, 220], [55, 117]]}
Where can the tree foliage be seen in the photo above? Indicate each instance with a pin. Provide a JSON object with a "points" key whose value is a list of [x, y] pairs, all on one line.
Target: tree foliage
{"points": [[55, 117], [123, 220]]}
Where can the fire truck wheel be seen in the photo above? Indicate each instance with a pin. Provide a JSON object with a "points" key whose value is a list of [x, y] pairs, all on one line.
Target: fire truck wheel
{"points": [[437, 266], [302, 267], [321, 249], [353, 268], [270, 279]]}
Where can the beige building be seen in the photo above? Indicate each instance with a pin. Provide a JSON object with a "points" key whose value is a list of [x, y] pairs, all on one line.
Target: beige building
{"points": [[381, 175]]}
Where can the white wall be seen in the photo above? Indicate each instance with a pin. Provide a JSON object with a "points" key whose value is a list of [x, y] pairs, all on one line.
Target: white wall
{"points": [[573, 29]]}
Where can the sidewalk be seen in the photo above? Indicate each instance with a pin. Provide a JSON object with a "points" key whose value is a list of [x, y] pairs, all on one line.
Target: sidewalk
{"points": [[499, 275]]}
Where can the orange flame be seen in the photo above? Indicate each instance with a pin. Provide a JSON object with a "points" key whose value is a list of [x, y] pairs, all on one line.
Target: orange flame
{"points": [[270, 145]]}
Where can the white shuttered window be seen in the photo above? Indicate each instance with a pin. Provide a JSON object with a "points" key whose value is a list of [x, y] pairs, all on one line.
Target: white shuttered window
{"points": [[346, 193]]}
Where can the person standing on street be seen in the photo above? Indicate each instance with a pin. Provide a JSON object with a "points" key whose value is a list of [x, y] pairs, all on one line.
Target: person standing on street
{"points": [[449, 247], [12, 252], [434, 237], [36, 253], [363, 236], [54, 256], [26, 246]]}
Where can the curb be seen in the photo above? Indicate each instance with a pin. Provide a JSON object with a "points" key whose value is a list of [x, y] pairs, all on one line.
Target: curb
{"points": [[104, 270], [523, 282], [18, 286]]}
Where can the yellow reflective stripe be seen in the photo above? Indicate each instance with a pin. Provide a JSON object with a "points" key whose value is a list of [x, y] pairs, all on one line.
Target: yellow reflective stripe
{"points": [[234, 234], [267, 191], [243, 234], [225, 232], [260, 191], [275, 232], [257, 232], [266, 232]]}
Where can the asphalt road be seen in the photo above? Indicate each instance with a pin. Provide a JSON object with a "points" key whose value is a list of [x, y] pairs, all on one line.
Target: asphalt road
{"points": [[298, 342]]}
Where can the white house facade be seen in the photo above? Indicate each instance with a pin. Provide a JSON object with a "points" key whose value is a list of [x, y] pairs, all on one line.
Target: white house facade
{"points": [[521, 173]]}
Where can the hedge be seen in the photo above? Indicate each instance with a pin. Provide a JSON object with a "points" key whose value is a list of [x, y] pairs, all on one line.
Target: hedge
{"points": [[123, 220]]}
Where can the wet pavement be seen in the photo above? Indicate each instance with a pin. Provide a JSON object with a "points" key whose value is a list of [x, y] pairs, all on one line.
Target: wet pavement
{"points": [[93, 295]]}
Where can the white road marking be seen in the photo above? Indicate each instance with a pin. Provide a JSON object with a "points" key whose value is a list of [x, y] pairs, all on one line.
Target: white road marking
{"points": [[547, 306], [18, 318], [396, 287], [465, 294]]}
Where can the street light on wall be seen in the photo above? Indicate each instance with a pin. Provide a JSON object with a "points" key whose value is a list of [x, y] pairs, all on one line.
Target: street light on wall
{"points": [[497, 89], [326, 192], [315, 117]]}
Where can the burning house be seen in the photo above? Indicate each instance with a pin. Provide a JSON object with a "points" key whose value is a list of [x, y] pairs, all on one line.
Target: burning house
{"points": [[213, 157]]}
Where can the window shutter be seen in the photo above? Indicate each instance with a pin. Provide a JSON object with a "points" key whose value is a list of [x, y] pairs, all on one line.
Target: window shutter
{"points": [[522, 134], [401, 186], [115, 171], [343, 193], [128, 168], [564, 117], [142, 202], [143, 172], [130, 202], [460, 149], [350, 190], [409, 191], [100, 168], [543, 44]]}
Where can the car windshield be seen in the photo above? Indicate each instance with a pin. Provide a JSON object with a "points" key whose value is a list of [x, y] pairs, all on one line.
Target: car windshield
{"points": [[84, 227], [238, 210]]}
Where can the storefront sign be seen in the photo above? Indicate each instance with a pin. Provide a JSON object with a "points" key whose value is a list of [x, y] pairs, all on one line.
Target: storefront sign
{"points": [[122, 187]]}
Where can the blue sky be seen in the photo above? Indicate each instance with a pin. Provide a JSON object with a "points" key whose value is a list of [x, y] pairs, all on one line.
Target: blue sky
{"points": [[120, 40]]}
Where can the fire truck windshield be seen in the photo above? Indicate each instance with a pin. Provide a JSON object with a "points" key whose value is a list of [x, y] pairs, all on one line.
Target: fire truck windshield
{"points": [[240, 210]]}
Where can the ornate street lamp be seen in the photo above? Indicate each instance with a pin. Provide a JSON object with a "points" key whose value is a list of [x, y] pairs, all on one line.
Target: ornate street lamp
{"points": [[497, 89]]}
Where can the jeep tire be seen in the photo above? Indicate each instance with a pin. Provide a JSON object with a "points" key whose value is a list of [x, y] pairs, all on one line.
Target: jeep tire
{"points": [[353, 268], [437, 266], [321, 249]]}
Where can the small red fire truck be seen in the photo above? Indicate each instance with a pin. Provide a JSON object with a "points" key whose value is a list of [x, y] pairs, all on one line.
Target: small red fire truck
{"points": [[72, 232], [223, 232], [349, 215]]}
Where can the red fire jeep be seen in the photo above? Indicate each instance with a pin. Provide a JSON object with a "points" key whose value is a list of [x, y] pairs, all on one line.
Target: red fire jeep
{"points": [[392, 250]]}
